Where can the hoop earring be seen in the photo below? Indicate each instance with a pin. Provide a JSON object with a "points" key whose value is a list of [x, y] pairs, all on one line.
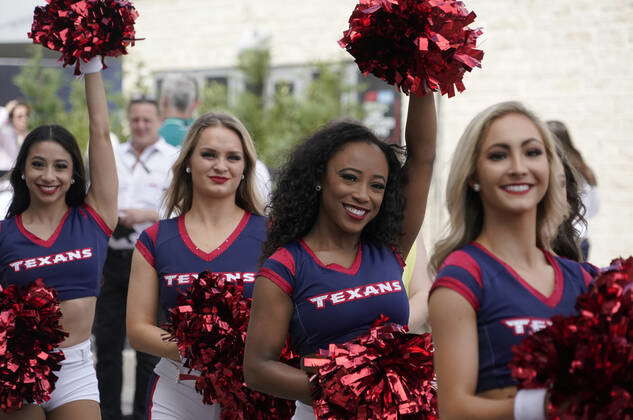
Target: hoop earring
{"points": [[188, 170], [317, 187]]}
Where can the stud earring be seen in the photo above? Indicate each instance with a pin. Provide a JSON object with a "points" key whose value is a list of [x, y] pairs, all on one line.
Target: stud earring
{"points": [[242, 176], [317, 187], [23, 177], [476, 187], [188, 170], [72, 180]]}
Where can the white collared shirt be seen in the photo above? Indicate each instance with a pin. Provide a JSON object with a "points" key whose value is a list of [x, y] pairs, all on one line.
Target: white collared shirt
{"points": [[143, 181]]}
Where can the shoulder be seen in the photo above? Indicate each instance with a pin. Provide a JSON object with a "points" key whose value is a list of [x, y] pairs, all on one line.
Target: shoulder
{"points": [[583, 273]]}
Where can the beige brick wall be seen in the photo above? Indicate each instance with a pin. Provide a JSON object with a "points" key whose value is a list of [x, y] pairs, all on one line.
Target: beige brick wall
{"points": [[567, 59]]}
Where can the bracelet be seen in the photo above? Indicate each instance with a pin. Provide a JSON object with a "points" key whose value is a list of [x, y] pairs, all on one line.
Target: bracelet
{"points": [[529, 404], [315, 388]]}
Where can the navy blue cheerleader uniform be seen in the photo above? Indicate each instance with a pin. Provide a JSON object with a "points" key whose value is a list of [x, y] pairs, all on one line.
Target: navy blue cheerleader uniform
{"points": [[70, 261], [167, 247], [507, 307], [334, 304]]}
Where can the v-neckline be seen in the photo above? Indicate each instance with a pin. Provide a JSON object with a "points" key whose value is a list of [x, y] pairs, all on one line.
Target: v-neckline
{"points": [[352, 269], [209, 256], [557, 291], [47, 243]]}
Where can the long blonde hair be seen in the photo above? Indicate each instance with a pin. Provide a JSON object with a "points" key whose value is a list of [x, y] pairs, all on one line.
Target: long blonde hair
{"points": [[179, 196], [466, 213]]}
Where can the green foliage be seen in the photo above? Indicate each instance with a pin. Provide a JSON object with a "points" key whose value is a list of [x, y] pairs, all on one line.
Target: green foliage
{"points": [[40, 86], [280, 119]]}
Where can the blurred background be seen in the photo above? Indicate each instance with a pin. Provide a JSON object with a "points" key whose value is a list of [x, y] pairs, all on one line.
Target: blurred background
{"points": [[278, 66]]}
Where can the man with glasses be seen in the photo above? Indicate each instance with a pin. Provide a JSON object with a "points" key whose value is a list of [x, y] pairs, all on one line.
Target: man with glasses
{"points": [[143, 165]]}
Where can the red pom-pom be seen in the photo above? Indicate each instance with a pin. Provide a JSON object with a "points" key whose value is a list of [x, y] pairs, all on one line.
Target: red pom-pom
{"points": [[83, 29], [417, 45], [586, 361], [385, 374], [209, 325], [30, 333]]}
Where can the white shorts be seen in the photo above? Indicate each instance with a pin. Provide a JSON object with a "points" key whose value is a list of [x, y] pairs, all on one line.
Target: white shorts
{"points": [[76, 380], [303, 412], [173, 396]]}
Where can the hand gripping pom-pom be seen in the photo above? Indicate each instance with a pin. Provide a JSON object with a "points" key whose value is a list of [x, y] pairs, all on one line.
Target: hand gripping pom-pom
{"points": [[385, 374], [30, 334], [83, 29], [586, 361], [209, 326], [417, 45]]}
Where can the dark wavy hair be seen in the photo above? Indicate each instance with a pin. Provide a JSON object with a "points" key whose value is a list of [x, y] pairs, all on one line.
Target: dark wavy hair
{"points": [[75, 196], [295, 202], [567, 241]]}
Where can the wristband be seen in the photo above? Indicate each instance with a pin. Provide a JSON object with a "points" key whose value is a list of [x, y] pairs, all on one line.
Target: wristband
{"points": [[529, 404], [315, 389], [93, 66]]}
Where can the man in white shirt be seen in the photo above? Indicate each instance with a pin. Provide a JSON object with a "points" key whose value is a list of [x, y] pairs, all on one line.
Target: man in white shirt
{"points": [[143, 167]]}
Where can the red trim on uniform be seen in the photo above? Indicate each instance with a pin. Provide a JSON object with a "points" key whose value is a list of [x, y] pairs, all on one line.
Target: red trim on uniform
{"points": [[463, 259], [352, 270], [208, 256], [146, 253], [39, 241], [285, 258], [187, 377], [554, 298], [458, 287], [97, 218], [276, 278], [150, 403], [399, 257], [152, 232], [586, 276]]}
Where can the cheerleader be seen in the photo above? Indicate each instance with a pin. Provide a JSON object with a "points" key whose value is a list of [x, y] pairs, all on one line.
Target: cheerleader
{"points": [[58, 231], [219, 227], [332, 260], [497, 278]]}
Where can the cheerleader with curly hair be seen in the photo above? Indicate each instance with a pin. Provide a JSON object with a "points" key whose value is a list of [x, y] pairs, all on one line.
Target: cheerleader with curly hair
{"points": [[345, 210]]}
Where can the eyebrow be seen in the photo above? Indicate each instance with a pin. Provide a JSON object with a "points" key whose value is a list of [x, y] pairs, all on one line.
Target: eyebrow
{"points": [[44, 159], [360, 172], [211, 149], [523, 143]]}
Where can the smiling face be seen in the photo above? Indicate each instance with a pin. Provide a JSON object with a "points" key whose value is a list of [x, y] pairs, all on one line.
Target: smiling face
{"points": [[48, 172], [512, 167], [353, 187], [217, 163]]}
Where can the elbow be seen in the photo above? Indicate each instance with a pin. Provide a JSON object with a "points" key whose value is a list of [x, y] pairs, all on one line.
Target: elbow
{"points": [[252, 375], [133, 336]]}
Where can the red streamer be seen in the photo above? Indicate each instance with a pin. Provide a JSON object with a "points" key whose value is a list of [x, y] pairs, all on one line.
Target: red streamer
{"points": [[586, 361], [30, 333], [83, 29], [385, 374], [417, 45], [209, 326]]}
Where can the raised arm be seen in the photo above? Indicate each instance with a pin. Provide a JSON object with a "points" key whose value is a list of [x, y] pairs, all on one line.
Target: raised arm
{"points": [[420, 135], [419, 290], [102, 195], [142, 309], [456, 360], [267, 332]]}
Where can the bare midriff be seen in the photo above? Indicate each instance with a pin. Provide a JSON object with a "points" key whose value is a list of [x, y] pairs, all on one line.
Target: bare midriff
{"points": [[77, 319]]}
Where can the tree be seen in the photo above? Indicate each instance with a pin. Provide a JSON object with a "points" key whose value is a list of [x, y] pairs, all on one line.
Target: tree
{"points": [[278, 120], [41, 87]]}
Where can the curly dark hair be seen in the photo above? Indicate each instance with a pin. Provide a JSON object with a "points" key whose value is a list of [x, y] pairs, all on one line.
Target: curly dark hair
{"points": [[295, 202], [567, 241]]}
